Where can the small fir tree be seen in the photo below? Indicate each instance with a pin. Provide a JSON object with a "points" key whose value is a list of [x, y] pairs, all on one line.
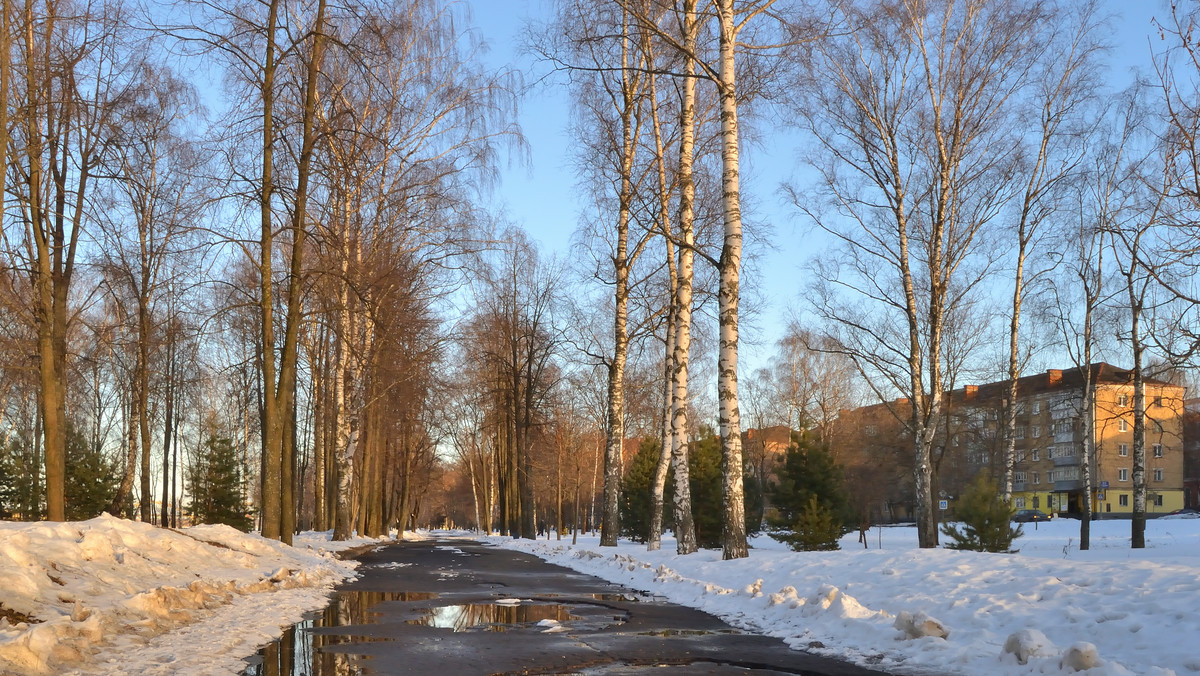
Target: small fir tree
{"points": [[20, 473], [215, 486], [986, 520], [810, 503], [91, 478], [816, 529]]}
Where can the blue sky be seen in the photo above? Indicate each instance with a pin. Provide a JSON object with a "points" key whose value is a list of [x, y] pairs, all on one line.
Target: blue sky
{"points": [[540, 196]]}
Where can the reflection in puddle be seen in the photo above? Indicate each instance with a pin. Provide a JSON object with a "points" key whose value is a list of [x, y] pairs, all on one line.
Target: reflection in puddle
{"points": [[298, 652], [492, 616], [617, 597]]}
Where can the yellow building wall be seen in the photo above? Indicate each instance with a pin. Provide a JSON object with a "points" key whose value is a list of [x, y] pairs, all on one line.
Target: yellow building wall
{"points": [[1111, 504]]}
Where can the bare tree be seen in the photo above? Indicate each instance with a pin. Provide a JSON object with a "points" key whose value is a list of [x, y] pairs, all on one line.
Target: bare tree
{"points": [[1064, 83], [909, 109], [71, 66]]}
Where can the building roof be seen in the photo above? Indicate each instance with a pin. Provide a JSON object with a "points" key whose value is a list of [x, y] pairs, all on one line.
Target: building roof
{"points": [[1047, 381], [1054, 380]]}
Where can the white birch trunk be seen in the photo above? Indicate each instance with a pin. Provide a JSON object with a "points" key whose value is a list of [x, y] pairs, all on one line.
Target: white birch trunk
{"points": [[685, 529], [613, 469], [733, 540]]}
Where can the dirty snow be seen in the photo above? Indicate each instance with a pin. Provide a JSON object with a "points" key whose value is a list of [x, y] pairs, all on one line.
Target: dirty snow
{"points": [[110, 596], [1049, 609]]}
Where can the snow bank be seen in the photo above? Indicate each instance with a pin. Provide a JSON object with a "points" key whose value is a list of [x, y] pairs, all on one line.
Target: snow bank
{"points": [[1050, 609], [116, 596]]}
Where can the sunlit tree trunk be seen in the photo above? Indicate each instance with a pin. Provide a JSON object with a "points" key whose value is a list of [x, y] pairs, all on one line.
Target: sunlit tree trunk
{"points": [[685, 530], [733, 539]]}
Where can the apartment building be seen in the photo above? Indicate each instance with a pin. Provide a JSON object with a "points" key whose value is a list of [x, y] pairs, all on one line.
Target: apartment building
{"points": [[1050, 441]]}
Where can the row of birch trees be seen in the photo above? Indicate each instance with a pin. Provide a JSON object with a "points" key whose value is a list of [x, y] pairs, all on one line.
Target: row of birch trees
{"points": [[954, 148]]}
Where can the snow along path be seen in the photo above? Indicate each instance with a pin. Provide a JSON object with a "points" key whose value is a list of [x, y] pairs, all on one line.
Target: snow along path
{"points": [[110, 596], [1136, 609]]}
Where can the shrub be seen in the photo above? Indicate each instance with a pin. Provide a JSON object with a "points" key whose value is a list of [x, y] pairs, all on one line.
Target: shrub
{"points": [[986, 520]]}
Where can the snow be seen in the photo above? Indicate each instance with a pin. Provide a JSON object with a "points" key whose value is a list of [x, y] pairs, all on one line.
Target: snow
{"points": [[118, 597], [111, 596], [1048, 609]]}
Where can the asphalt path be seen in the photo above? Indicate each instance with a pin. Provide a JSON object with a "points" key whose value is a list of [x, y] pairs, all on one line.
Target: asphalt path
{"points": [[459, 608]]}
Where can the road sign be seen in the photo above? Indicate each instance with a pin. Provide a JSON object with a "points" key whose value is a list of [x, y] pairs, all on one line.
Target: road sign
{"points": [[1100, 496], [943, 505], [1103, 484]]}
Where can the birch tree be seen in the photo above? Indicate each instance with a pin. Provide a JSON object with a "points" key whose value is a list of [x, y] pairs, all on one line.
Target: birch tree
{"points": [[908, 112], [1064, 83]]}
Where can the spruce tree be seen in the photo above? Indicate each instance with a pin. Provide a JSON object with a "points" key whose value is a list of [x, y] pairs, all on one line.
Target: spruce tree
{"points": [[986, 520], [704, 480], [215, 486], [91, 478], [809, 499]]}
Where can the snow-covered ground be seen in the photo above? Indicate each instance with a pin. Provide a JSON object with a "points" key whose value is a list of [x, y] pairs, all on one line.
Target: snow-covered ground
{"points": [[109, 596], [1123, 611], [119, 597]]}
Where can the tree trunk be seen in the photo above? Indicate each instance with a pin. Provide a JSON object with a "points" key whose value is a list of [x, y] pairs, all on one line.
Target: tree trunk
{"points": [[733, 540], [168, 422], [272, 448], [685, 530]]}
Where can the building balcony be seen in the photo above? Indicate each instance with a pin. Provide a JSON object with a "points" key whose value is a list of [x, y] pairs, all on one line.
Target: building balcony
{"points": [[1072, 485], [1018, 486], [1066, 460], [1064, 437]]}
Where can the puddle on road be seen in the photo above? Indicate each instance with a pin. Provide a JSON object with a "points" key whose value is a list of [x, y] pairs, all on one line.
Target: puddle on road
{"points": [[493, 616], [298, 652]]}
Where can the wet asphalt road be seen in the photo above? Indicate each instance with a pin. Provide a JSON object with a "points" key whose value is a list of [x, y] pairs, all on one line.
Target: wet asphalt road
{"points": [[459, 608]]}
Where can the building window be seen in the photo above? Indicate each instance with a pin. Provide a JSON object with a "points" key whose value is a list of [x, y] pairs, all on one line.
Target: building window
{"points": [[1037, 431], [1019, 477], [1049, 452], [1020, 503], [1122, 426], [1036, 454], [1037, 478], [956, 439], [1037, 502], [1122, 400], [1158, 426], [1124, 501], [1123, 450], [1158, 401], [1037, 408], [1123, 474], [1158, 474], [1158, 450], [1021, 432]]}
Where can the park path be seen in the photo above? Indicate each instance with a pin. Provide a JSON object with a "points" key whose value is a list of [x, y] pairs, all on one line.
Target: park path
{"points": [[456, 607]]}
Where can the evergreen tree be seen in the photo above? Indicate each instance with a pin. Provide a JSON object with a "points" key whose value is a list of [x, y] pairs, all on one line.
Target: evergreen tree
{"points": [[705, 477], [20, 497], [816, 529], [810, 498], [91, 479], [215, 486], [986, 520]]}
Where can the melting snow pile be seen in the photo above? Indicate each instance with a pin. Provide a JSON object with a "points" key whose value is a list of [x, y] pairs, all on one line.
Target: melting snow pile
{"points": [[115, 596], [1050, 609]]}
